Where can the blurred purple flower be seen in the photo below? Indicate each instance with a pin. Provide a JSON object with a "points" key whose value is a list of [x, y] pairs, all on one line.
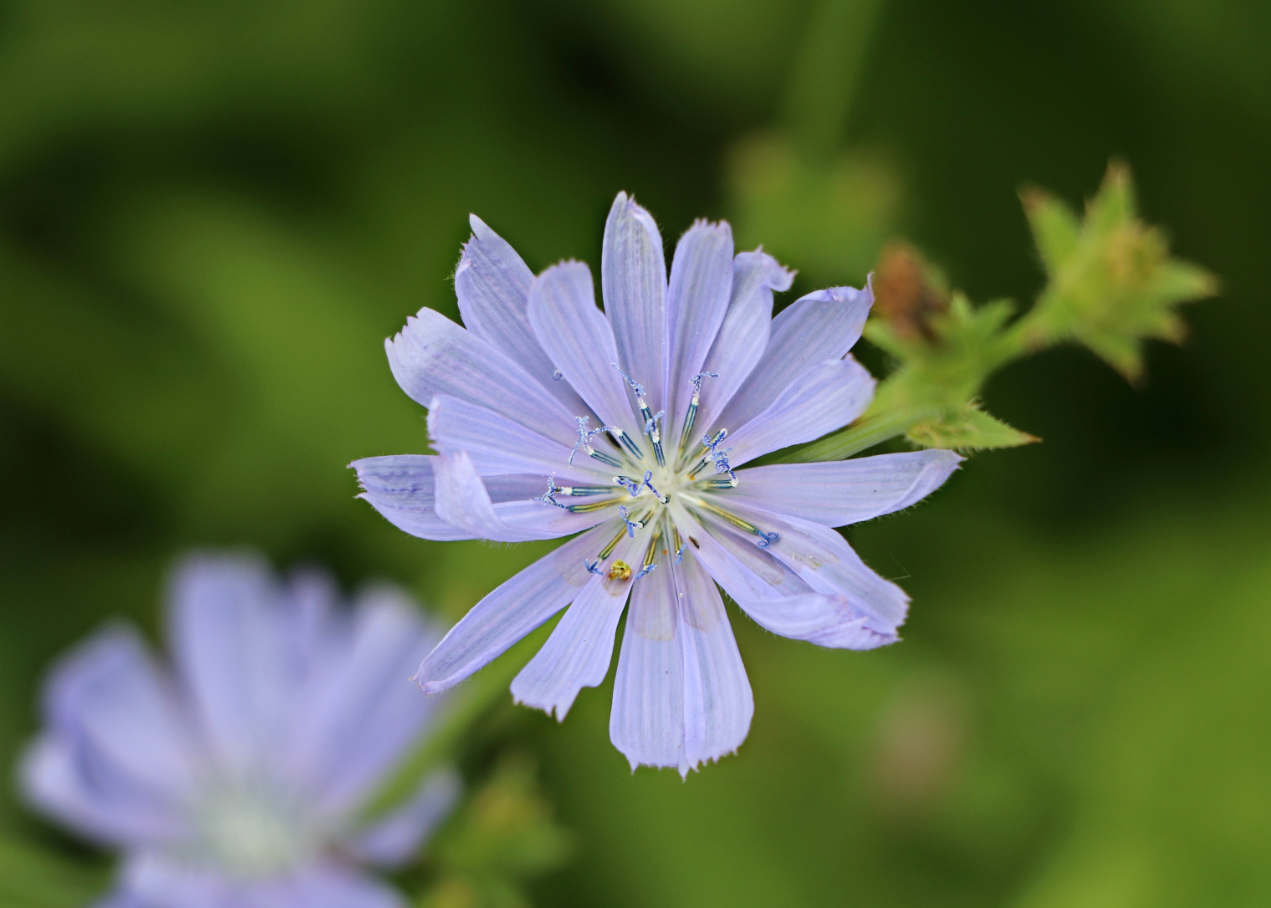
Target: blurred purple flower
{"points": [[236, 780], [630, 426]]}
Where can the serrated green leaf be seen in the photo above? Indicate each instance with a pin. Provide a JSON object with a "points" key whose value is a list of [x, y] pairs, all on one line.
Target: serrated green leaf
{"points": [[966, 430], [1055, 226], [1112, 282]]}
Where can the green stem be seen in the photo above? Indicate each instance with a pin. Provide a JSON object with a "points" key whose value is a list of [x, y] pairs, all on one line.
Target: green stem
{"points": [[826, 72], [870, 431]]}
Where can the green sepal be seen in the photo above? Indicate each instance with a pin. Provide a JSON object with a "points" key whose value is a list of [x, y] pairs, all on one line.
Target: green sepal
{"points": [[967, 429], [1112, 282]]}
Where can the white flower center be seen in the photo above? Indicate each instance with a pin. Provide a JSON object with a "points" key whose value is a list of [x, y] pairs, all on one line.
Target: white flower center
{"points": [[249, 830], [648, 474]]}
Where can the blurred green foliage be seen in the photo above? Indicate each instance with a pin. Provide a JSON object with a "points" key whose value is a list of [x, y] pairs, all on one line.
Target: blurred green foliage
{"points": [[212, 214], [505, 836]]}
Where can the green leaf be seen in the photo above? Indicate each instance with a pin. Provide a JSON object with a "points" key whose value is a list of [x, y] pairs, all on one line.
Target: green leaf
{"points": [[966, 430], [1056, 229]]}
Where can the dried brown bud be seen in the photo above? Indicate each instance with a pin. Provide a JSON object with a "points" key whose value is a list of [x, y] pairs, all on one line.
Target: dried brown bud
{"points": [[906, 294]]}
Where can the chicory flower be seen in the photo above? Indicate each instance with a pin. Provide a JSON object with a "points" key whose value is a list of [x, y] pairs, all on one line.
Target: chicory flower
{"points": [[236, 779], [630, 427]]}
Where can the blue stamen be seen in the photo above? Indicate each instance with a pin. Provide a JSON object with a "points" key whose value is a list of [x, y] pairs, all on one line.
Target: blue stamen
{"points": [[651, 430], [631, 485], [650, 421], [720, 457], [593, 567], [697, 383], [635, 385], [647, 569], [722, 485], [648, 475], [679, 553], [766, 539], [632, 525], [585, 435], [548, 497], [625, 440], [577, 491]]}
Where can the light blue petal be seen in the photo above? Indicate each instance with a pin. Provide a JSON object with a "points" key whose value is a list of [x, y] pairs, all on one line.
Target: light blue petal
{"points": [[227, 638], [646, 722], [402, 487], [433, 356], [774, 596], [825, 562], [826, 397], [681, 696], [74, 785], [696, 302], [718, 704], [327, 885], [840, 492], [580, 342], [514, 609], [463, 500], [492, 284], [633, 281], [579, 651], [154, 879], [396, 838], [743, 336], [498, 445], [358, 713], [107, 698], [818, 327]]}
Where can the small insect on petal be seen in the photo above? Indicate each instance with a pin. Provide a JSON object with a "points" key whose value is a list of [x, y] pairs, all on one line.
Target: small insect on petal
{"points": [[620, 570]]}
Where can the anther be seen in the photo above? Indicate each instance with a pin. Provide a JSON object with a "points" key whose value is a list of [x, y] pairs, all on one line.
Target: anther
{"points": [[625, 440], [650, 421], [765, 539], [590, 506], [720, 485], [575, 491], [649, 554], [593, 567], [690, 418]]}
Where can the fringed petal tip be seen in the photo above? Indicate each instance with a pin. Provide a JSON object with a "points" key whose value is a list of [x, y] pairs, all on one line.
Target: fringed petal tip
{"points": [[776, 276], [553, 710], [684, 767]]}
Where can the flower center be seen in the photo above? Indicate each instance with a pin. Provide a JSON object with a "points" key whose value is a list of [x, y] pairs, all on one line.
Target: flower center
{"points": [[644, 486], [251, 830]]}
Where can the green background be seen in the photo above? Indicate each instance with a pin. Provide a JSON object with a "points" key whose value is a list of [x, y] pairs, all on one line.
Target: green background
{"points": [[212, 214]]}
